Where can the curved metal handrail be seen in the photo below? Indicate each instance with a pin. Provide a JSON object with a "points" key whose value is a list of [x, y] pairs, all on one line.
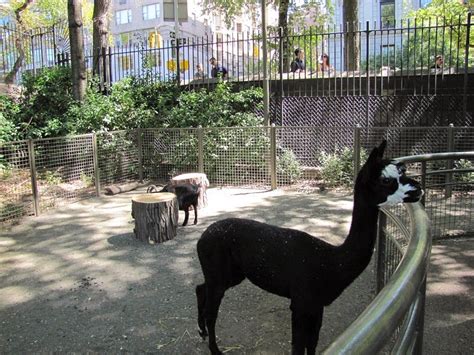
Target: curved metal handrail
{"points": [[374, 327]]}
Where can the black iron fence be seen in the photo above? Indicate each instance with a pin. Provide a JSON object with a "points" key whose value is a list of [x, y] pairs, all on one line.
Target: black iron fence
{"points": [[412, 57]]}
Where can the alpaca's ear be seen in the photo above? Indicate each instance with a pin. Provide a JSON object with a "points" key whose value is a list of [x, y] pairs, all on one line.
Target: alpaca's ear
{"points": [[381, 148]]}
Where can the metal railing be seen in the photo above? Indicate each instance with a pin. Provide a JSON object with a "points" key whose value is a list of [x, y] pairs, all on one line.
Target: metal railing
{"points": [[399, 306]]}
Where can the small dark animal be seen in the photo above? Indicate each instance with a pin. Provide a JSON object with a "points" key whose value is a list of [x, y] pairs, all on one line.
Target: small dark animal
{"points": [[187, 194], [294, 264]]}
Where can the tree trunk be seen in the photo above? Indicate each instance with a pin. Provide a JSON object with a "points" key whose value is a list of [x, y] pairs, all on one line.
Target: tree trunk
{"points": [[199, 179], [351, 36], [76, 38], [283, 23], [10, 77], [156, 217], [100, 33]]}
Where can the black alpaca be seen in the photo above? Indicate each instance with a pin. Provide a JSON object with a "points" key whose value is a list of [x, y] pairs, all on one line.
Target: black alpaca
{"points": [[294, 264], [187, 194]]}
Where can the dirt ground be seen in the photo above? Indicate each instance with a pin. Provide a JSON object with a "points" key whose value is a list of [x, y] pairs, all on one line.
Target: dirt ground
{"points": [[75, 280]]}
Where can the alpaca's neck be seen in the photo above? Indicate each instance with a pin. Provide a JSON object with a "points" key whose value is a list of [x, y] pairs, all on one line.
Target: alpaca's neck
{"points": [[359, 244]]}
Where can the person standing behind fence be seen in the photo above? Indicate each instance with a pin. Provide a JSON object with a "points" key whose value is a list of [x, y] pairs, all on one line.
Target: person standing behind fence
{"points": [[217, 69], [324, 64], [199, 73], [439, 61], [297, 65]]}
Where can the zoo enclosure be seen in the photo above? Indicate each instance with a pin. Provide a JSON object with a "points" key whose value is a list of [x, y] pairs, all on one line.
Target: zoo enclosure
{"points": [[39, 174]]}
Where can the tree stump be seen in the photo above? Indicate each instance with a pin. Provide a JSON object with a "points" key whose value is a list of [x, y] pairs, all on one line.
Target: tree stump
{"points": [[199, 179], [156, 217]]}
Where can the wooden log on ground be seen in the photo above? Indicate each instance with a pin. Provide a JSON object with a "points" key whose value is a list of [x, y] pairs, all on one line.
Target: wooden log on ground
{"points": [[116, 189], [199, 179], [156, 217]]}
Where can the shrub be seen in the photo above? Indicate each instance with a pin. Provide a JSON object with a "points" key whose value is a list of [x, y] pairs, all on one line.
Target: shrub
{"points": [[465, 177], [338, 168], [288, 168]]}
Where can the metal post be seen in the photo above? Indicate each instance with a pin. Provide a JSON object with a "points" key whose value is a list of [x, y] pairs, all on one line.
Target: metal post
{"points": [[466, 66], [266, 86], [420, 324], [280, 64], [34, 182], [381, 251], [273, 157], [450, 163], [104, 69], [357, 148], [200, 135], [176, 38], [96, 164], [423, 181], [140, 153], [367, 76]]}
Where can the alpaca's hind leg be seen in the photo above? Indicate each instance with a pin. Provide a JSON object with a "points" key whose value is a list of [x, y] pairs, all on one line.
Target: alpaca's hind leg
{"points": [[201, 302], [213, 301], [186, 216], [313, 328], [195, 213]]}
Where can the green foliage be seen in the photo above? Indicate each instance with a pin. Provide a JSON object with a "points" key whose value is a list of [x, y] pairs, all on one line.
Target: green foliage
{"points": [[465, 177], [288, 168], [47, 97], [50, 177], [8, 111], [338, 168]]}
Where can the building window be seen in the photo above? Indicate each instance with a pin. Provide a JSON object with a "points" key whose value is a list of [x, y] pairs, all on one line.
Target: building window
{"points": [[122, 17], [151, 12], [239, 27], [122, 2], [387, 13], [168, 10]]}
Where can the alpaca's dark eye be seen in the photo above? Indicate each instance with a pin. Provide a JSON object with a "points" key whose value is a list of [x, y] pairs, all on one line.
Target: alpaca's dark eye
{"points": [[386, 181]]}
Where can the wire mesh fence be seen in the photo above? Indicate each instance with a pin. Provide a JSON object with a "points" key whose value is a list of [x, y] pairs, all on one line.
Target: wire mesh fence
{"points": [[67, 168]]}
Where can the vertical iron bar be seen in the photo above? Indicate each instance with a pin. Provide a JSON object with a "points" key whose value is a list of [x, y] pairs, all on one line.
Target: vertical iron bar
{"points": [[34, 181], [466, 66], [423, 181], [367, 76]]}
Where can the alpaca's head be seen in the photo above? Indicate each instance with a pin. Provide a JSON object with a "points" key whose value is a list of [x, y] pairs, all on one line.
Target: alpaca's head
{"points": [[383, 182]]}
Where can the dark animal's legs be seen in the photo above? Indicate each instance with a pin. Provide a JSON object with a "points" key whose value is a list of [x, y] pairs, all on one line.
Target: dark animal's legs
{"points": [[195, 206], [201, 302], [211, 309], [305, 331], [314, 326], [186, 215]]}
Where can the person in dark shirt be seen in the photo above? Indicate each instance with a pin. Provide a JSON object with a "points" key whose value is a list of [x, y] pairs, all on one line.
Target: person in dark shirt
{"points": [[297, 65], [439, 61], [217, 69]]}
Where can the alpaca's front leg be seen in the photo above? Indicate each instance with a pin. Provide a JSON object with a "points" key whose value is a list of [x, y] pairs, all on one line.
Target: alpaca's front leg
{"points": [[186, 216], [313, 328], [195, 213], [298, 333]]}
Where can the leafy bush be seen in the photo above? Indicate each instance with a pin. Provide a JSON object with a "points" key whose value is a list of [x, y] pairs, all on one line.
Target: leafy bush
{"points": [[465, 177], [338, 168], [288, 168], [8, 111]]}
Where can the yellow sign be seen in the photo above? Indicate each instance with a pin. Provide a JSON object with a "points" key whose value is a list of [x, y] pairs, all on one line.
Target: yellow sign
{"points": [[171, 65], [154, 40], [184, 65], [256, 51]]}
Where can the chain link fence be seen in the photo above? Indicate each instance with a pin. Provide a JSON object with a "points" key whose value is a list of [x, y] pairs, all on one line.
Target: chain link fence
{"points": [[44, 173]]}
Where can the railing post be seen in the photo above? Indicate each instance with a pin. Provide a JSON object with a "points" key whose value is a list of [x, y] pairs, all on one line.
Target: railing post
{"points": [[466, 66], [200, 135], [95, 157], [34, 181], [139, 133], [280, 65], [381, 252], [423, 181], [367, 76], [357, 149], [273, 157], [450, 164]]}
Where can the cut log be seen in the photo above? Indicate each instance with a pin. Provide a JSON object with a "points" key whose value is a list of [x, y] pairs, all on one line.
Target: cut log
{"points": [[156, 217], [116, 189], [199, 179]]}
